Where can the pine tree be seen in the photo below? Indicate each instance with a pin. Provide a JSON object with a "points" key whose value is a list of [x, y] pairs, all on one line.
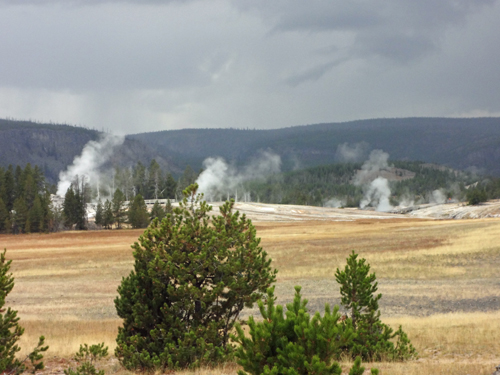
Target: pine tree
{"points": [[70, 208], [99, 214], [36, 215], [4, 215], [108, 217], [292, 344], [188, 177], [11, 331], [157, 212], [155, 179], [373, 338], [20, 215], [193, 275], [10, 191], [138, 215], [139, 179], [170, 187], [118, 210]]}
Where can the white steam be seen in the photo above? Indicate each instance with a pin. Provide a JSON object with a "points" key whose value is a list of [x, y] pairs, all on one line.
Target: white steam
{"points": [[437, 196], [376, 188], [87, 165], [352, 153], [335, 203], [220, 180], [377, 193]]}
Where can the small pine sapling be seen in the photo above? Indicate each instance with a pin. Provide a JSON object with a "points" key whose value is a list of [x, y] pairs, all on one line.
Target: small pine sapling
{"points": [[358, 295], [292, 343], [87, 357]]}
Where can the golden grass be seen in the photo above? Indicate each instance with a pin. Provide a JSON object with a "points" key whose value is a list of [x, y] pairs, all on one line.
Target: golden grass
{"points": [[439, 279]]}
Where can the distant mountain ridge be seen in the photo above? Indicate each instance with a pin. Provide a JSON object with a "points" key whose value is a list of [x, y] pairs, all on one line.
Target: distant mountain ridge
{"points": [[456, 142]]}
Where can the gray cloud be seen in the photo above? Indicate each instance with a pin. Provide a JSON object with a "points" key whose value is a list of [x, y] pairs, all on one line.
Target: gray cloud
{"points": [[144, 65], [401, 30]]}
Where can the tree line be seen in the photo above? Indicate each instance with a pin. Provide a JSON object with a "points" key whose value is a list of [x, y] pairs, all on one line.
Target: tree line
{"points": [[25, 204], [317, 185]]}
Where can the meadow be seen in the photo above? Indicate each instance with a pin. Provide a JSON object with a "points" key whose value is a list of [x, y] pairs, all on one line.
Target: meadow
{"points": [[439, 279]]}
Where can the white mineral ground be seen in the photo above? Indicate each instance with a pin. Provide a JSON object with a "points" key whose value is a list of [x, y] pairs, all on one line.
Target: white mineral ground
{"points": [[277, 212]]}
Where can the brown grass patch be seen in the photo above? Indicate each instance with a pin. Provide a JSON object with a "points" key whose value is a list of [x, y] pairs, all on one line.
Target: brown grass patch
{"points": [[439, 279]]}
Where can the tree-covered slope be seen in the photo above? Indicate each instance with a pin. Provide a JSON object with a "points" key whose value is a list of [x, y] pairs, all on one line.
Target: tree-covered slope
{"points": [[54, 147], [337, 185], [457, 142]]}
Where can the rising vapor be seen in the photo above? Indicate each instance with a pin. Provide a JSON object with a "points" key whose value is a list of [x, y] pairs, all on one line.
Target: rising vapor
{"points": [[376, 188], [219, 180], [87, 165]]}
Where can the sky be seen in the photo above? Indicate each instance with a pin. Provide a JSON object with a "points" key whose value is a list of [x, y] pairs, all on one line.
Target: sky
{"points": [[130, 66]]}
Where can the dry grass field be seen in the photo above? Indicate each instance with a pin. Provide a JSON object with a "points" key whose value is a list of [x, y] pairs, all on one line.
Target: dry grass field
{"points": [[440, 279]]}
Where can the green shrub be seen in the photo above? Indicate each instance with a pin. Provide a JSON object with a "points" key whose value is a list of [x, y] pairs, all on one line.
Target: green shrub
{"points": [[193, 275], [87, 357], [293, 343]]}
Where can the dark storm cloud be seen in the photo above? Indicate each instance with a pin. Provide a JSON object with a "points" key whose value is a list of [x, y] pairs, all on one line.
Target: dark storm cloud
{"points": [[142, 65]]}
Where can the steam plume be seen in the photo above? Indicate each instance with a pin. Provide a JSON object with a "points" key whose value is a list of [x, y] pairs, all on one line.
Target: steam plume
{"points": [[335, 203], [377, 190], [352, 153], [220, 180], [93, 156]]}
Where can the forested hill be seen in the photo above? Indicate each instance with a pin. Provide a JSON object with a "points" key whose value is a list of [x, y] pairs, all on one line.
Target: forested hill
{"points": [[53, 147], [458, 143]]}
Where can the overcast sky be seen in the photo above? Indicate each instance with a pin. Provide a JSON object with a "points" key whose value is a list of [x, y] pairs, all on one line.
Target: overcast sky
{"points": [[144, 65]]}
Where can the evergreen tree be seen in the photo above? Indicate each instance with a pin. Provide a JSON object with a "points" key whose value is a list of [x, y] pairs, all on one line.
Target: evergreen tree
{"points": [[168, 207], [4, 216], [139, 179], [476, 196], [157, 212], [20, 215], [192, 277], [36, 215], [373, 338], [9, 182], [70, 208], [118, 210], [108, 217], [138, 215], [30, 189], [11, 331], [295, 344], [170, 187], [155, 180], [187, 178], [99, 214]]}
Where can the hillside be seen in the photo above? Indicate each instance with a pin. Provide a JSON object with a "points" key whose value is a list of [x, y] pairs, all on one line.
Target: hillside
{"points": [[456, 142], [53, 147]]}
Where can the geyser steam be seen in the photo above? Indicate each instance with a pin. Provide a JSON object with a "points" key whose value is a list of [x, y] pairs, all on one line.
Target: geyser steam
{"points": [[377, 190], [219, 179], [93, 156]]}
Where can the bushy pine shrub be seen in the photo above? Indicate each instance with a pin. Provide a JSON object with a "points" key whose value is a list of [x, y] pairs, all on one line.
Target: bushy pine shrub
{"points": [[87, 358], [293, 343], [193, 274]]}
